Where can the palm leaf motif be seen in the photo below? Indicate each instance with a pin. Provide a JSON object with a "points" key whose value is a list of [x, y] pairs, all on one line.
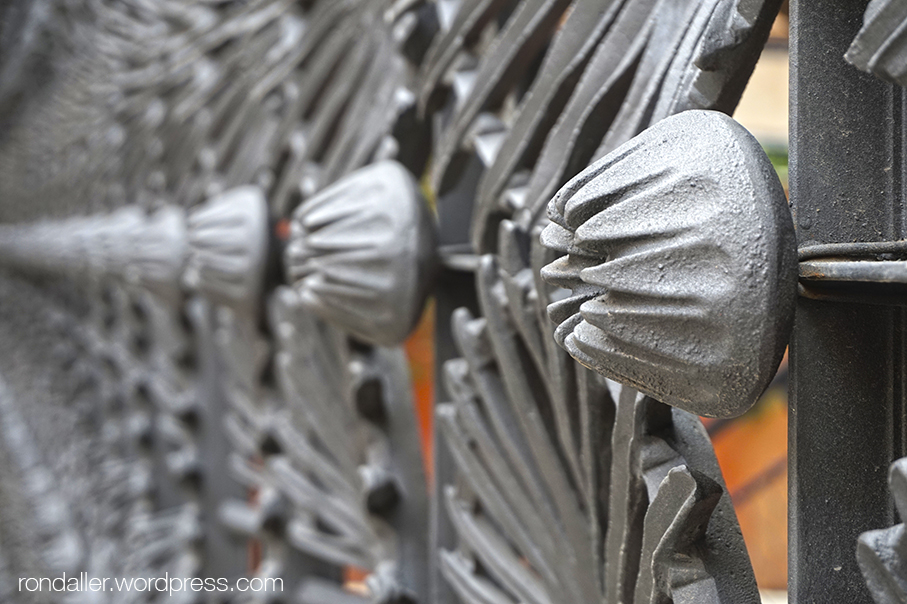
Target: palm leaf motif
{"points": [[557, 484], [536, 93], [560, 486], [151, 363], [322, 426], [569, 486]]}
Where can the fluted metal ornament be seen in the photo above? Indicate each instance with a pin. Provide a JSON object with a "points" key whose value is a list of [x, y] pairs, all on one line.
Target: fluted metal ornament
{"points": [[553, 483], [680, 256], [228, 246], [628, 504], [362, 253]]}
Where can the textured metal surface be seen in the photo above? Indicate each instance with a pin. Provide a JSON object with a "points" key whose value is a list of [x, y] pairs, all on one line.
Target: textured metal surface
{"points": [[842, 271], [613, 69], [680, 256], [866, 272], [227, 241], [525, 444], [333, 436], [126, 244], [232, 111]]}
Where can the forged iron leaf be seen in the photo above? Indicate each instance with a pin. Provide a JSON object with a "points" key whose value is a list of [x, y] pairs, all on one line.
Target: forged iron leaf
{"points": [[610, 70]]}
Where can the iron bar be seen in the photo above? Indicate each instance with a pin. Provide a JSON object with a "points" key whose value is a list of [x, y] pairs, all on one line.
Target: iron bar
{"points": [[846, 359]]}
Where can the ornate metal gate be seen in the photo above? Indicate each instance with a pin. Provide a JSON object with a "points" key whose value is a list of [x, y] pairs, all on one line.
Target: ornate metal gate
{"points": [[221, 219]]}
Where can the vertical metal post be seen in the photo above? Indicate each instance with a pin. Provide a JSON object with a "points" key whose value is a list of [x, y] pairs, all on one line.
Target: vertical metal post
{"points": [[847, 359]]}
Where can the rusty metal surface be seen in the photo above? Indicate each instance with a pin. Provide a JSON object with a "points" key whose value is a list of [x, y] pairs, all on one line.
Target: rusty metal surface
{"points": [[843, 271]]}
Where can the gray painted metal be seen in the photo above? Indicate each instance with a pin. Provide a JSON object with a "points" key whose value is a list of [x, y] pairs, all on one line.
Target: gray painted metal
{"points": [[604, 493], [216, 355], [227, 241], [362, 253], [245, 129], [524, 441], [681, 260], [861, 271]]}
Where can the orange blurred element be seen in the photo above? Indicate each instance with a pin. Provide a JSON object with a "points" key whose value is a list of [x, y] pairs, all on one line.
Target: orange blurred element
{"points": [[254, 555], [763, 521], [752, 452], [354, 575], [253, 549], [420, 350], [282, 229]]}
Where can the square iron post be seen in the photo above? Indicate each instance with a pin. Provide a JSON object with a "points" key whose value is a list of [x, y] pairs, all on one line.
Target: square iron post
{"points": [[847, 360]]}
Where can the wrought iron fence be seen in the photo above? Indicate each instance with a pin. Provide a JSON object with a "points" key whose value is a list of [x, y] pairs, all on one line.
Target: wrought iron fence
{"points": [[221, 219]]}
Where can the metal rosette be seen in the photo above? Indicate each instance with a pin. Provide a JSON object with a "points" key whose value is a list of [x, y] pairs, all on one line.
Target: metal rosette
{"points": [[679, 252]]}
